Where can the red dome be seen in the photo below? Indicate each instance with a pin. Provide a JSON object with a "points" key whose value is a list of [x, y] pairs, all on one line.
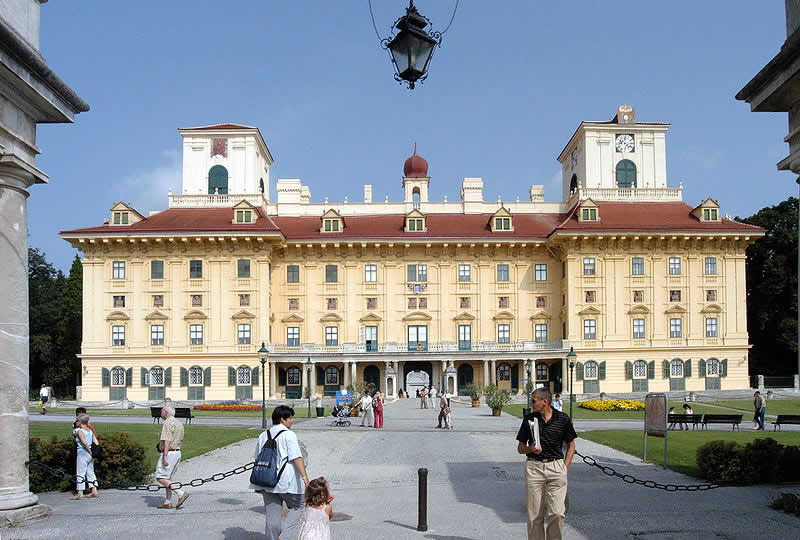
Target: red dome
{"points": [[415, 167]]}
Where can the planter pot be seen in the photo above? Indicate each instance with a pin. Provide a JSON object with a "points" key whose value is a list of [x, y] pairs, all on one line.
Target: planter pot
{"points": [[354, 411], [476, 403], [496, 412], [320, 412]]}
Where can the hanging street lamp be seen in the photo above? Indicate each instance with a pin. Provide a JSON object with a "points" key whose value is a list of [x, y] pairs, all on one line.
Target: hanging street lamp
{"points": [[262, 355], [571, 356]]}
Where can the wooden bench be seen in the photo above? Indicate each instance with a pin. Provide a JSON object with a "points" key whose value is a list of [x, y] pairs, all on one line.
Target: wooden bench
{"points": [[733, 419], [692, 419], [180, 412], [785, 419]]}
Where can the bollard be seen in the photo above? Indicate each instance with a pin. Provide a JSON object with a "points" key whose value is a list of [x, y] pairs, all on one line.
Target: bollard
{"points": [[422, 511]]}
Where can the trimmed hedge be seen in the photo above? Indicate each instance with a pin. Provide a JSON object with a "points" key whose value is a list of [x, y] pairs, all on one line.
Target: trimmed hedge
{"points": [[123, 462], [759, 461]]}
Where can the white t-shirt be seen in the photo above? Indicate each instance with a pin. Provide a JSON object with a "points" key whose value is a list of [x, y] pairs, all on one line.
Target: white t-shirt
{"points": [[366, 403], [44, 392], [433, 393], [288, 447]]}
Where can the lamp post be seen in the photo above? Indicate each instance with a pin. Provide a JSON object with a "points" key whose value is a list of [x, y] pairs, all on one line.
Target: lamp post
{"points": [[528, 385], [262, 355], [571, 357], [308, 383], [412, 48]]}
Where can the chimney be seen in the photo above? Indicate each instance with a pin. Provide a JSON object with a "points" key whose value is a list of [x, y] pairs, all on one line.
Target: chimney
{"points": [[537, 193], [367, 193]]}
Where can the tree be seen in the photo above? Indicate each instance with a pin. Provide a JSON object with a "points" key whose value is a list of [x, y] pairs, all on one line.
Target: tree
{"points": [[70, 326], [772, 290]]}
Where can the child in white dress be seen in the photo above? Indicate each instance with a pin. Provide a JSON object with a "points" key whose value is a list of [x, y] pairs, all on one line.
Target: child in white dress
{"points": [[316, 517], [448, 418]]}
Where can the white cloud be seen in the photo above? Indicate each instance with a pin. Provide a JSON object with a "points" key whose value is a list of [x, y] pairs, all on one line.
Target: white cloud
{"points": [[147, 189]]}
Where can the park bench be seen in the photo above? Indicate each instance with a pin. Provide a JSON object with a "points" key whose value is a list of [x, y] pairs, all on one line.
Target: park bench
{"points": [[692, 419], [180, 412], [733, 419], [785, 419]]}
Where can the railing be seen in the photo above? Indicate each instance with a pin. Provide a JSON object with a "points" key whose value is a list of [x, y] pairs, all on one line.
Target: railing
{"points": [[630, 194], [214, 200], [418, 347]]}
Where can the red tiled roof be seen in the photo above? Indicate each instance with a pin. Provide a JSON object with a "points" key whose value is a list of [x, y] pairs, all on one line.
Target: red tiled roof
{"points": [[221, 126]]}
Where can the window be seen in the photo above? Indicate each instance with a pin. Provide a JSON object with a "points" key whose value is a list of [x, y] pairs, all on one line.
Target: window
{"points": [[243, 334], [503, 302], [195, 269], [503, 333], [590, 297], [156, 269], [711, 327], [156, 334], [639, 369], [464, 272], [293, 336], [371, 338], [158, 300], [120, 218], [293, 376], [331, 336], [332, 303], [626, 174], [712, 367], [541, 272], [674, 266], [637, 266], [590, 329], [294, 304], [119, 301], [157, 376], [331, 273], [118, 270], [417, 338], [502, 272], [638, 328], [244, 299], [710, 214], [412, 303], [676, 368], [464, 337], [244, 216], [502, 224], [417, 272], [503, 372], [243, 268], [243, 375], [590, 370], [195, 334], [675, 296], [541, 302], [331, 225], [118, 377], [293, 273], [464, 302], [423, 303], [542, 371], [588, 214], [372, 303], [676, 327], [117, 336], [218, 180], [540, 333], [371, 273], [638, 296], [711, 295], [416, 224], [589, 267], [711, 266], [332, 375], [563, 299], [195, 375], [197, 300]]}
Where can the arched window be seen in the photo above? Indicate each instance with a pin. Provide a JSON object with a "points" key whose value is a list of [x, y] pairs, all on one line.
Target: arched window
{"points": [[573, 184], [195, 375], [243, 376], [503, 372], [331, 375], [626, 174], [261, 185], [590, 370], [218, 179], [712, 367], [293, 376], [118, 376], [676, 368], [157, 376], [415, 197], [639, 369]]}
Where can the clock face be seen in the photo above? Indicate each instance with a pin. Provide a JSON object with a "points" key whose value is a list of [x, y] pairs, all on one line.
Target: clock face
{"points": [[574, 159], [624, 143]]}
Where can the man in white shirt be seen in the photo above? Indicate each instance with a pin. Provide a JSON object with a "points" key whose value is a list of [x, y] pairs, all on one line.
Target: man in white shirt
{"points": [[366, 407], [44, 397], [433, 395], [292, 482]]}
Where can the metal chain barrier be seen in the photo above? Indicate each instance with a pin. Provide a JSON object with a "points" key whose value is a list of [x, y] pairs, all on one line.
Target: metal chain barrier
{"points": [[609, 471], [197, 482]]}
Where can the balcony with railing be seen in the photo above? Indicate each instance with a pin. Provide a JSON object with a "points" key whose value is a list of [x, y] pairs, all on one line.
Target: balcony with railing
{"points": [[419, 347], [642, 194], [214, 200]]}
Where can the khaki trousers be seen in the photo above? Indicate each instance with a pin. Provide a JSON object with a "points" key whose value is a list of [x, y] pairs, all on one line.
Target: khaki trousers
{"points": [[546, 492]]}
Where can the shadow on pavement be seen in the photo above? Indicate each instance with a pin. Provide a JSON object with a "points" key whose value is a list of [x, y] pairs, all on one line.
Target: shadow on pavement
{"points": [[405, 526], [448, 537], [494, 485], [238, 533], [153, 501]]}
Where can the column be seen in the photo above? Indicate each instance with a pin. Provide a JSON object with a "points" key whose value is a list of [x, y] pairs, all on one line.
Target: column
{"points": [[347, 379], [493, 374], [442, 381], [353, 378], [273, 380], [401, 381], [521, 375], [312, 382], [14, 339], [485, 372]]}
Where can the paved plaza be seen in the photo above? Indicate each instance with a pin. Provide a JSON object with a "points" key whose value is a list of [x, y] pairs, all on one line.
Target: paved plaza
{"points": [[475, 490]]}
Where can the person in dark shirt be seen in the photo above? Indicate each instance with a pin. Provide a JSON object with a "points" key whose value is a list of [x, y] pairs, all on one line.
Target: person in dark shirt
{"points": [[546, 467]]}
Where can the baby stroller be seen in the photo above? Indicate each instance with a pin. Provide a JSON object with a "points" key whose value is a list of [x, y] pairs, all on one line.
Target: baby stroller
{"points": [[341, 415]]}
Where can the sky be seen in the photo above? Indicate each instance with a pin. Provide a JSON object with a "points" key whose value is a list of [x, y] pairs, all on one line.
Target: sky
{"points": [[509, 85]]}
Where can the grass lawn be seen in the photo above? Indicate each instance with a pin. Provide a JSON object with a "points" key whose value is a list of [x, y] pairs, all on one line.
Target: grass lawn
{"points": [[682, 445], [300, 412], [579, 413], [774, 406], [197, 440]]}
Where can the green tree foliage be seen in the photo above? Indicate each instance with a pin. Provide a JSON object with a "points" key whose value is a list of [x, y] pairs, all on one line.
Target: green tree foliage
{"points": [[772, 290]]}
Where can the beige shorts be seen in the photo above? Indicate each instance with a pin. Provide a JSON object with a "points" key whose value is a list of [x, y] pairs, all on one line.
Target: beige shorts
{"points": [[173, 458]]}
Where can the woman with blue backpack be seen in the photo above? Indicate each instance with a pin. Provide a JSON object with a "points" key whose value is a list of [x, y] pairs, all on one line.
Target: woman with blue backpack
{"points": [[280, 474]]}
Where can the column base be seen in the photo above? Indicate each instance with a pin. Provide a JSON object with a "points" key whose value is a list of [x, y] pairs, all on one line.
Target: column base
{"points": [[19, 516]]}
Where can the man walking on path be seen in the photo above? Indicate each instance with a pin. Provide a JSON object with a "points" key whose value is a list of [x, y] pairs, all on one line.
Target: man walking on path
{"points": [[546, 467], [366, 407], [442, 410], [44, 397], [760, 406], [171, 443]]}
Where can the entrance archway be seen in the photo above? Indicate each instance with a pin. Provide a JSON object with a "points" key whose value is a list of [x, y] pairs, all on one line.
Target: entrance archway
{"points": [[465, 377], [372, 375], [416, 375]]}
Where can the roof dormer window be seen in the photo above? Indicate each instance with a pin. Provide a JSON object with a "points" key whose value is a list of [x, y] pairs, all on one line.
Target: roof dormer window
{"points": [[123, 214], [332, 222], [707, 211], [588, 211], [415, 221], [501, 221], [244, 216], [331, 225], [710, 214], [120, 218], [244, 213]]}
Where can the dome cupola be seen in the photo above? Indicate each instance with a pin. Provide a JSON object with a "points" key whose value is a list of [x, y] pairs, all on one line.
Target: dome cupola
{"points": [[415, 166]]}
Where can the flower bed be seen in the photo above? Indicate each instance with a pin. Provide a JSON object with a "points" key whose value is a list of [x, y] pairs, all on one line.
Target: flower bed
{"points": [[226, 407], [613, 405]]}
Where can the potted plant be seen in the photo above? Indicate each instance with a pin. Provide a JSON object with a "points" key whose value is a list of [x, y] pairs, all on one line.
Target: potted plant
{"points": [[475, 392], [496, 399]]}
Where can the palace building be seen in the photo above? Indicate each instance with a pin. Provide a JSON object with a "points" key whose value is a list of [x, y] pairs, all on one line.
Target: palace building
{"points": [[649, 290]]}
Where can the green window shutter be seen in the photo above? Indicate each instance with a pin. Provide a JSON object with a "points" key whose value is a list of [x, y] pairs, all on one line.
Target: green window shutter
{"points": [[105, 375], [579, 372], [207, 377], [143, 376], [231, 376], [281, 377], [651, 369], [184, 377], [129, 377], [723, 368], [666, 369], [320, 376], [702, 368], [411, 272], [254, 379], [687, 368], [601, 371], [168, 377], [628, 370]]}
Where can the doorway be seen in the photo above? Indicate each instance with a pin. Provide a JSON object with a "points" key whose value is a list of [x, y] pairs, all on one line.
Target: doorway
{"points": [[465, 378]]}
